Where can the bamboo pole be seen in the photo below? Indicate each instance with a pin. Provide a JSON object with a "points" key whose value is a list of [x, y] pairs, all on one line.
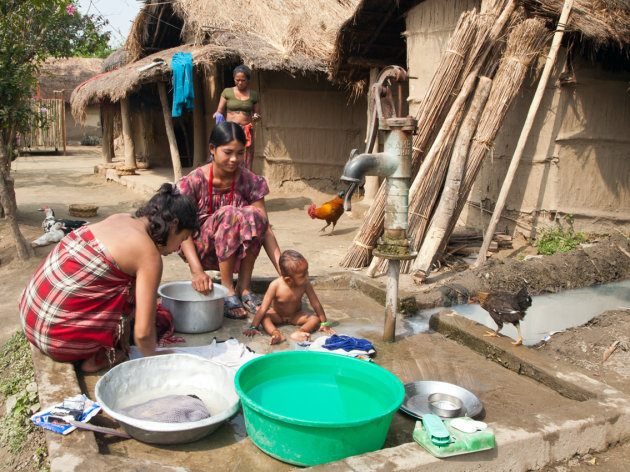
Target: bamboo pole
{"points": [[200, 146], [527, 127], [130, 154], [170, 132], [450, 194]]}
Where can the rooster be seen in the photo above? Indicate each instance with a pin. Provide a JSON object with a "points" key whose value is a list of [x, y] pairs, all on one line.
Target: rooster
{"points": [[330, 211], [66, 225], [505, 307]]}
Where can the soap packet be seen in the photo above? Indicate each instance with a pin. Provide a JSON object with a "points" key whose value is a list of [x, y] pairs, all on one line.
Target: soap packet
{"points": [[57, 417]]}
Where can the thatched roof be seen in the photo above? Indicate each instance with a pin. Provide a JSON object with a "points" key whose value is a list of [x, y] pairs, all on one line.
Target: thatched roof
{"points": [[64, 74], [366, 39], [294, 35], [116, 84], [290, 35]]}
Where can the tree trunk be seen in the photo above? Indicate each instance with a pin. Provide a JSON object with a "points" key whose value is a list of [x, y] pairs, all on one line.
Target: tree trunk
{"points": [[7, 195], [130, 154], [170, 133]]}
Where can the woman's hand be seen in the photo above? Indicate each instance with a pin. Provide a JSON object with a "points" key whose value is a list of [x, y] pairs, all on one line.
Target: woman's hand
{"points": [[201, 282]]}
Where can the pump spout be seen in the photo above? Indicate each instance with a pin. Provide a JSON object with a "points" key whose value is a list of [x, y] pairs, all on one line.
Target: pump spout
{"points": [[347, 205]]}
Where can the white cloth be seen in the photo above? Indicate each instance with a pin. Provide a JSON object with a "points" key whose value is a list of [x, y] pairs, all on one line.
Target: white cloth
{"points": [[230, 353]]}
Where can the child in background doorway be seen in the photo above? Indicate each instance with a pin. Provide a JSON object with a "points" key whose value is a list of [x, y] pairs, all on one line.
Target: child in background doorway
{"points": [[283, 303]]}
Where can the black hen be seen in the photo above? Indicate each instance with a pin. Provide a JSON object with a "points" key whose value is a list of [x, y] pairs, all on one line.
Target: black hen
{"points": [[505, 307]]}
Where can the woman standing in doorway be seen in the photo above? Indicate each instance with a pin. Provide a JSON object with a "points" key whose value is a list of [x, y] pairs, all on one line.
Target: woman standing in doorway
{"points": [[241, 105]]}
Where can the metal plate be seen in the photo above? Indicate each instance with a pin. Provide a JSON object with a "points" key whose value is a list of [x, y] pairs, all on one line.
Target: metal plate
{"points": [[416, 402]]}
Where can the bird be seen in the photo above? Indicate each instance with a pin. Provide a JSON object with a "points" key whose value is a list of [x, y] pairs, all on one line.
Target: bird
{"points": [[54, 235], [505, 307], [330, 211], [66, 225]]}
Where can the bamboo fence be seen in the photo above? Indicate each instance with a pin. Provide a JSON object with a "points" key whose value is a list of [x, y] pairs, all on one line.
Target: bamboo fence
{"points": [[46, 126]]}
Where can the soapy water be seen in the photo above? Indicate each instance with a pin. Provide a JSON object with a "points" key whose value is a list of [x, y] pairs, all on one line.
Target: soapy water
{"points": [[549, 313]]}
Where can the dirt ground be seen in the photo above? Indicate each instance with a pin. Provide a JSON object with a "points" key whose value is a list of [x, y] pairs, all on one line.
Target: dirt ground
{"points": [[47, 182]]}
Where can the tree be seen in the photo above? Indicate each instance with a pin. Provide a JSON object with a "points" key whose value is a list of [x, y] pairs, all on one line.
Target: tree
{"points": [[31, 31]]}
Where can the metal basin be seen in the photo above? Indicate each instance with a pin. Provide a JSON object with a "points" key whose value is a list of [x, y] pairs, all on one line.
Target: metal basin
{"points": [[192, 311], [445, 405], [145, 379]]}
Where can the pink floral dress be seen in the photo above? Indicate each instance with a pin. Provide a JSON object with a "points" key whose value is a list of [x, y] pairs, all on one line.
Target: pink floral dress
{"points": [[226, 229]]}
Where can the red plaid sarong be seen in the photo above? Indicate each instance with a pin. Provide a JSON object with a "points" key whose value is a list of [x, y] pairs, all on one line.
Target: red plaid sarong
{"points": [[73, 305]]}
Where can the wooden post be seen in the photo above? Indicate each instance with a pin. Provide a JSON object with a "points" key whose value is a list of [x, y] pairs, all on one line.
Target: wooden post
{"points": [[107, 125], [130, 155], [63, 121], [448, 200], [200, 146], [170, 132], [529, 122]]}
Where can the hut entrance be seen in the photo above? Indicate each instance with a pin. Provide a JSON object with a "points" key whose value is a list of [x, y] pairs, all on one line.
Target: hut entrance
{"points": [[47, 126]]}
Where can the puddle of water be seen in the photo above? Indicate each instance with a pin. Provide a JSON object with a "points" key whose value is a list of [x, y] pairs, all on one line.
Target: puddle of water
{"points": [[548, 314]]}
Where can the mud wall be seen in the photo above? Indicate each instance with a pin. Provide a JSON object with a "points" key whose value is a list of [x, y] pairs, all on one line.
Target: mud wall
{"points": [[307, 132], [75, 132], [576, 160]]}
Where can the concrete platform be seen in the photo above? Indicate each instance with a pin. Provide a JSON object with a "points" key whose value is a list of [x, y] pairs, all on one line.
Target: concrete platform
{"points": [[541, 411]]}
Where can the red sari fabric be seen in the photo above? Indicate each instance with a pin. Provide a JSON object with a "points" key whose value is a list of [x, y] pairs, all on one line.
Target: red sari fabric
{"points": [[227, 229], [73, 305]]}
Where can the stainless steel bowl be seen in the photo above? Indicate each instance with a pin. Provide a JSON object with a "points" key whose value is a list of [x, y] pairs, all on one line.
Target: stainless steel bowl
{"points": [[145, 379], [445, 405], [192, 311]]}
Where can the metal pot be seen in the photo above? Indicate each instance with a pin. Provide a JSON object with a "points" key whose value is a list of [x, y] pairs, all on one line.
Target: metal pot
{"points": [[192, 311]]}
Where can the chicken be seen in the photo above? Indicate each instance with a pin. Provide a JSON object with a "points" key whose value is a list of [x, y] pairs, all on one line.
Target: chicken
{"points": [[66, 225], [330, 211], [55, 235], [505, 307]]}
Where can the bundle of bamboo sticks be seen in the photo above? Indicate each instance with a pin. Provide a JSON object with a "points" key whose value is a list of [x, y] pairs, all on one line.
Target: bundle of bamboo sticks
{"points": [[525, 43]]}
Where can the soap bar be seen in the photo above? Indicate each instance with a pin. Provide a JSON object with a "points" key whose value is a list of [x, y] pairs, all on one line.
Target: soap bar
{"points": [[436, 430]]}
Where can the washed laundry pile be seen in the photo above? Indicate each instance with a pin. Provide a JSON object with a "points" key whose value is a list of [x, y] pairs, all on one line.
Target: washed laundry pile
{"points": [[346, 345], [169, 409]]}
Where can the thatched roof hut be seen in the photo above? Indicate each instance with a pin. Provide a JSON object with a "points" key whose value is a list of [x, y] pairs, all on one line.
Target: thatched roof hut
{"points": [[289, 35], [64, 74], [308, 126], [374, 35]]}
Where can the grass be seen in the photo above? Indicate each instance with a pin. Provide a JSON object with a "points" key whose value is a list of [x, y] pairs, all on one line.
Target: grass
{"points": [[17, 382], [558, 238]]}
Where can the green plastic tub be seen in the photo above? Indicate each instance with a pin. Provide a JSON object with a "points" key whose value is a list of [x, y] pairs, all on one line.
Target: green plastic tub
{"points": [[308, 408]]}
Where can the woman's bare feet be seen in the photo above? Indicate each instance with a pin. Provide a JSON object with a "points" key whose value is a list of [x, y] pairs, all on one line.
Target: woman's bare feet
{"points": [[99, 361], [300, 336], [277, 337]]}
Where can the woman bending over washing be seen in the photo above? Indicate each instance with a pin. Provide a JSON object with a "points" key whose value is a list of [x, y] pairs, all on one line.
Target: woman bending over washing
{"points": [[230, 203], [78, 305], [241, 105]]}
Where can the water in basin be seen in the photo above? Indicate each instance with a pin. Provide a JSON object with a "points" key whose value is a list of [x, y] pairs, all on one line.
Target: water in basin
{"points": [[549, 313]]}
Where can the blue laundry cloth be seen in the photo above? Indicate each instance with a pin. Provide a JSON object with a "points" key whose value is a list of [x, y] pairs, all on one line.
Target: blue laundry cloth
{"points": [[347, 343], [183, 94], [219, 118]]}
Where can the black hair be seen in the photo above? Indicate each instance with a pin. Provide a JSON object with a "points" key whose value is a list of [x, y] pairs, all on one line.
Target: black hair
{"points": [[225, 132], [244, 69], [289, 261], [163, 208]]}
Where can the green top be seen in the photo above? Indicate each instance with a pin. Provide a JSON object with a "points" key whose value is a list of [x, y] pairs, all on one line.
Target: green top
{"points": [[234, 105]]}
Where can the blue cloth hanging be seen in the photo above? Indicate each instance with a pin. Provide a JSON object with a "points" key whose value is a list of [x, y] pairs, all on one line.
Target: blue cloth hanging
{"points": [[183, 94], [347, 343]]}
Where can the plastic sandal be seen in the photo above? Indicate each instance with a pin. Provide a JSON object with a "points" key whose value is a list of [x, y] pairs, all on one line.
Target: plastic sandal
{"points": [[250, 302], [230, 303]]}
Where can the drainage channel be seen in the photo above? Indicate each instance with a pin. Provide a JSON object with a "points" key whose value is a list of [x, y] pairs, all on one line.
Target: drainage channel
{"points": [[549, 313]]}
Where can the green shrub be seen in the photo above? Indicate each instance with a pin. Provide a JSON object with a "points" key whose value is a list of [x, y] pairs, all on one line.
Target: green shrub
{"points": [[90, 141], [557, 238]]}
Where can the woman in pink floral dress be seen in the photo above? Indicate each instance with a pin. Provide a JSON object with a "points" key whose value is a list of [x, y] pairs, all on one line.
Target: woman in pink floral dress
{"points": [[234, 226]]}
